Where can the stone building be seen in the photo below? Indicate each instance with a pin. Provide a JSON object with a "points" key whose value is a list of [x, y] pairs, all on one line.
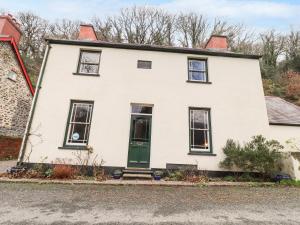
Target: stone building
{"points": [[16, 91]]}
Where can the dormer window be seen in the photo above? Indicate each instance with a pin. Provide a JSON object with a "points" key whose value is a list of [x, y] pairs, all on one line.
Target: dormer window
{"points": [[89, 63], [197, 69]]}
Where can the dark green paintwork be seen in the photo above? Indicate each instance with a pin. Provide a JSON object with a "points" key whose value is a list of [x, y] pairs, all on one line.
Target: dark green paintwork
{"points": [[139, 149]]}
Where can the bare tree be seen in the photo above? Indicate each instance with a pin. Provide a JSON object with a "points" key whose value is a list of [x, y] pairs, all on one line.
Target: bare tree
{"points": [[240, 38], [292, 52], [107, 30], [64, 29], [34, 30], [272, 47], [192, 30]]}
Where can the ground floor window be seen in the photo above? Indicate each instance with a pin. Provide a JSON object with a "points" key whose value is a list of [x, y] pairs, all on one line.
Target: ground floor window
{"points": [[200, 130], [79, 122]]}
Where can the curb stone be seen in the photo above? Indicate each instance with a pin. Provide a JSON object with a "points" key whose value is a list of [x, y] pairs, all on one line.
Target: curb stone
{"points": [[136, 182]]}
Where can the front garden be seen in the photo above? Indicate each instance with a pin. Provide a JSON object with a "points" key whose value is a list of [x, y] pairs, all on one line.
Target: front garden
{"points": [[259, 159]]}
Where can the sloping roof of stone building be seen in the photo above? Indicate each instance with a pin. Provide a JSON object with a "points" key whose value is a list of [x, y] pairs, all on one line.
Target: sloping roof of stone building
{"points": [[20, 61], [281, 112]]}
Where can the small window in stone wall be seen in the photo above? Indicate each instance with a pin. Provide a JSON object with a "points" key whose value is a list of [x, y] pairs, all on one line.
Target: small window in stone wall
{"points": [[142, 64], [12, 76]]}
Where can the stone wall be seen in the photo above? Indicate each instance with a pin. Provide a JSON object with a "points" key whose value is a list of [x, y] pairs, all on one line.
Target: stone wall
{"points": [[15, 96]]}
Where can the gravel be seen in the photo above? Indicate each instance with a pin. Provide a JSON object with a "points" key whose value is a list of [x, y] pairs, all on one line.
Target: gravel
{"points": [[103, 204]]}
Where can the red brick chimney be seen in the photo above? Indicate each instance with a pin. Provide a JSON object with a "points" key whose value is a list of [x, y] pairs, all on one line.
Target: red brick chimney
{"points": [[9, 26], [87, 32], [218, 42]]}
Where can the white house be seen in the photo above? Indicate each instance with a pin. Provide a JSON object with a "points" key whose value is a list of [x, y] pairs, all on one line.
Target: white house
{"points": [[145, 106]]}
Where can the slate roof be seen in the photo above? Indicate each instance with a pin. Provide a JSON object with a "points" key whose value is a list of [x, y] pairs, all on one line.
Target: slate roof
{"points": [[281, 112], [147, 47]]}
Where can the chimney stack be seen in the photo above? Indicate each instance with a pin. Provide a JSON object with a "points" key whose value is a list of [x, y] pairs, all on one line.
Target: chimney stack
{"points": [[217, 42], [10, 27], [87, 32]]}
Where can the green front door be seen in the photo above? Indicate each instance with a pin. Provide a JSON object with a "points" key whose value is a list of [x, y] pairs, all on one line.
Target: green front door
{"points": [[139, 141]]}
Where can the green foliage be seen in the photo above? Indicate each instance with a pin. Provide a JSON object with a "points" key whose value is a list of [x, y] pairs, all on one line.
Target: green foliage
{"points": [[258, 155], [229, 178], [176, 176], [49, 172], [294, 183]]}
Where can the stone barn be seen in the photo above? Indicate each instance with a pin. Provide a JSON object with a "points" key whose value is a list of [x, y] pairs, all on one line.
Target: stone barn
{"points": [[16, 90]]}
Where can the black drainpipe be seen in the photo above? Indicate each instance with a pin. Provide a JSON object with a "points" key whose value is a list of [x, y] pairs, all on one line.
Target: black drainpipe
{"points": [[27, 131]]}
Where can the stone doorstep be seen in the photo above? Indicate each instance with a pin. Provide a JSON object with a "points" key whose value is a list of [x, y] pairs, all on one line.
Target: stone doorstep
{"points": [[135, 182]]}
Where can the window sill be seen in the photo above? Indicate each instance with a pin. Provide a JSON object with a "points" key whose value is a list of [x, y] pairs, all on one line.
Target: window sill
{"points": [[87, 74], [200, 82], [73, 147], [202, 153]]}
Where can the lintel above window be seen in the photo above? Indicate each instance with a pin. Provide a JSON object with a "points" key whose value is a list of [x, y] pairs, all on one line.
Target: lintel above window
{"points": [[88, 64], [197, 70]]}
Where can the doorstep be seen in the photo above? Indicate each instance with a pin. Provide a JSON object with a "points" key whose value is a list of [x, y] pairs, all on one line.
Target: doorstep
{"points": [[133, 182]]}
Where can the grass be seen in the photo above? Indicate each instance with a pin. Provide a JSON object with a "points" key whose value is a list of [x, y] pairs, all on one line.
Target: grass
{"points": [[292, 183]]}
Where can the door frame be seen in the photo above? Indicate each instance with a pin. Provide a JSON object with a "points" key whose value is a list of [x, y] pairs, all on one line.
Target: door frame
{"points": [[130, 130]]}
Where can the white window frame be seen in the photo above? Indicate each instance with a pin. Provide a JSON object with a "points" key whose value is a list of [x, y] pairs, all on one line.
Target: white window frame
{"points": [[82, 51]]}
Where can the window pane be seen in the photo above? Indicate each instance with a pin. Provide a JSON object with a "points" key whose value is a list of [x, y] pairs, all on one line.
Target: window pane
{"points": [[77, 134], [141, 109], [200, 139], [199, 119], [199, 76], [140, 129], [81, 113], [79, 123], [199, 65], [88, 68], [90, 57]]}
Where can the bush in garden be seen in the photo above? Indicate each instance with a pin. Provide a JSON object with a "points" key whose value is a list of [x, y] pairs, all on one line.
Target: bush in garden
{"points": [[62, 171], [258, 155]]}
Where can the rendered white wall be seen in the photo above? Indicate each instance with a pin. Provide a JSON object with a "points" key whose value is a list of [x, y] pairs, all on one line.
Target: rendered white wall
{"points": [[235, 97]]}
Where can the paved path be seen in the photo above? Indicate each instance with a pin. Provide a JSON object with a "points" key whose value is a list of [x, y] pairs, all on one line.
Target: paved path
{"points": [[24, 204], [4, 165]]}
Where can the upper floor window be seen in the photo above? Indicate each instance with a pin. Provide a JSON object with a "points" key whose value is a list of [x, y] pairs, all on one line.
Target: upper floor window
{"points": [[78, 127], [142, 64], [200, 131], [89, 62], [197, 70]]}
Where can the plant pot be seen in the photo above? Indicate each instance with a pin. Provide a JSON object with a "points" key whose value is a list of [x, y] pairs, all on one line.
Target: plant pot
{"points": [[157, 177], [117, 176]]}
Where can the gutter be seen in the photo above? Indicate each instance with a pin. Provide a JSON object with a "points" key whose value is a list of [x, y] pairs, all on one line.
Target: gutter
{"points": [[285, 124], [37, 91]]}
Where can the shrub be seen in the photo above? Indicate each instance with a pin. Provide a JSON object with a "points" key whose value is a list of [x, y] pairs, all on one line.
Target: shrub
{"points": [[258, 155], [176, 176], [229, 178], [294, 183], [62, 171], [190, 175]]}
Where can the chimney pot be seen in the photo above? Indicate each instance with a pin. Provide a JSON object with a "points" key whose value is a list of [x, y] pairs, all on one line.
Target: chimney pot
{"points": [[218, 42], [87, 32]]}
